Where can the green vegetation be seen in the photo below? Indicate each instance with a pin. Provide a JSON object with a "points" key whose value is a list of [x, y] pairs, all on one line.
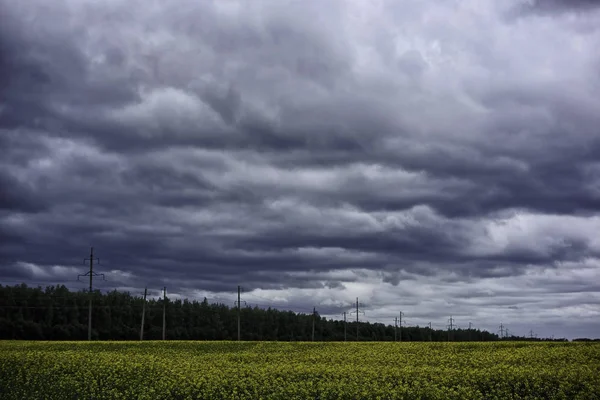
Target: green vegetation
{"points": [[286, 371], [55, 313]]}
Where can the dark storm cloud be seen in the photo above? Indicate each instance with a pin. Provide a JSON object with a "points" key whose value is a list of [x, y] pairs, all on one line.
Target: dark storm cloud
{"points": [[511, 188], [16, 196], [298, 148], [564, 5]]}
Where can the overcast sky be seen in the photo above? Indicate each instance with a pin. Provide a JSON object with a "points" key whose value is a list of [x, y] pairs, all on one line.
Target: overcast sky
{"points": [[432, 157]]}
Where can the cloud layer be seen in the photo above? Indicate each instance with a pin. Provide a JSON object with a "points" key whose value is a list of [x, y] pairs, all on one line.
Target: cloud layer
{"points": [[439, 158]]}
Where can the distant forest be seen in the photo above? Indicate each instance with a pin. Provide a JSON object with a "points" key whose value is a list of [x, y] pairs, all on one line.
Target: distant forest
{"points": [[56, 313]]}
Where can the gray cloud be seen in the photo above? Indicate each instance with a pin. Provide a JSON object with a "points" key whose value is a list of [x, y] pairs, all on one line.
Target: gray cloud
{"points": [[310, 153], [561, 5]]}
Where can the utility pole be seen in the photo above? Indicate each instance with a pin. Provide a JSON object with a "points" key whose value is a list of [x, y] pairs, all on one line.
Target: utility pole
{"points": [[469, 331], [313, 324], [395, 329], [344, 326], [532, 335], [164, 332], [238, 313], [450, 327], [357, 319], [400, 326], [430, 331], [238, 303], [143, 314], [501, 331], [91, 274], [357, 312]]}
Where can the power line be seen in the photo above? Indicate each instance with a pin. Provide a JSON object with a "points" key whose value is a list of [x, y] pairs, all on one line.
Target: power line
{"points": [[345, 338], [237, 303], [91, 275], [400, 319], [48, 299], [532, 335], [143, 315], [164, 327], [357, 313], [450, 327], [313, 323]]}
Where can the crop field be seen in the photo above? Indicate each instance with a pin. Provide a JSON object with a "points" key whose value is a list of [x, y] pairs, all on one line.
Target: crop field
{"points": [[278, 370]]}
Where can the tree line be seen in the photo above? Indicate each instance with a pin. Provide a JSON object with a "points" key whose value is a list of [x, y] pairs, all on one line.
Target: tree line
{"points": [[57, 313]]}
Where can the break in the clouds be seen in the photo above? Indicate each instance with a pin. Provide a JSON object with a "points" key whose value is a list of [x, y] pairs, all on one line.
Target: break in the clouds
{"points": [[436, 158]]}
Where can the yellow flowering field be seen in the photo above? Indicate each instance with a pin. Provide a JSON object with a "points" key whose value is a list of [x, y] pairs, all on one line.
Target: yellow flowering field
{"points": [[287, 371]]}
